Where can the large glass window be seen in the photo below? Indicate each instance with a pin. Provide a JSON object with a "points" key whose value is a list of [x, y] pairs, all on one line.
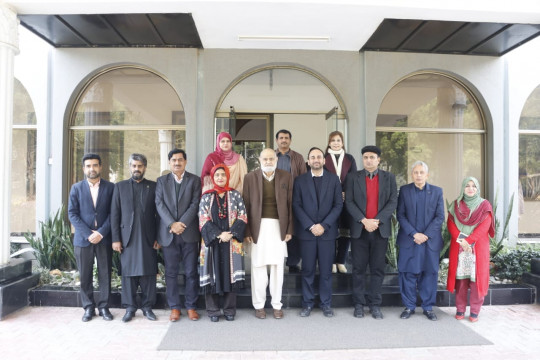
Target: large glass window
{"points": [[23, 163], [529, 167], [122, 111], [279, 97], [433, 118]]}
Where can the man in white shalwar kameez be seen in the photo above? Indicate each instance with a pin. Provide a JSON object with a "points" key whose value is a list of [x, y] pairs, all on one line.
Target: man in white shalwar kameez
{"points": [[268, 198]]}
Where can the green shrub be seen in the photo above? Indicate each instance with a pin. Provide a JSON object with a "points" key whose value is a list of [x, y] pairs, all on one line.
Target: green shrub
{"points": [[512, 264], [53, 248]]}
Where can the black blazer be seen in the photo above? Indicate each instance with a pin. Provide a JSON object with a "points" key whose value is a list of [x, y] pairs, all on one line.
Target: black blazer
{"points": [[122, 212], [83, 215], [308, 212], [185, 210], [355, 201]]}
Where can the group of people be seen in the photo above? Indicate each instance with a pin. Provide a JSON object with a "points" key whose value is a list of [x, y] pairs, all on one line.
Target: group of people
{"points": [[283, 213]]}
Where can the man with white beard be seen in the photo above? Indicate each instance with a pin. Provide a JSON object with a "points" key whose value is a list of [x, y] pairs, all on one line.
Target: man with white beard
{"points": [[268, 198]]}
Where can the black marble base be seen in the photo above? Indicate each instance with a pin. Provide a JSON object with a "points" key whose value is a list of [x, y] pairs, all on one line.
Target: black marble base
{"points": [[534, 280], [292, 297], [16, 279], [535, 266]]}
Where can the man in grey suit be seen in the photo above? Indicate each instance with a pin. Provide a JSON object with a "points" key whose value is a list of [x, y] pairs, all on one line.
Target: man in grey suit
{"points": [[177, 202], [134, 231], [370, 200]]}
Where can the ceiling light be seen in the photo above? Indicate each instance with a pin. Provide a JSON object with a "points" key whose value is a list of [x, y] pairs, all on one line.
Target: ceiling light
{"points": [[282, 38]]}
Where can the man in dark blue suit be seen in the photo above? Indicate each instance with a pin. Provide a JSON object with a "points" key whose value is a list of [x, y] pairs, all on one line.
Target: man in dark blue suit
{"points": [[89, 212], [317, 204], [420, 214], [177, 203]]}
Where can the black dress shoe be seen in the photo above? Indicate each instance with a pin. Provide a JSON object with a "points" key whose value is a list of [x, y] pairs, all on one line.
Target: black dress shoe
{"points": [[229, 317], [128, 316], [105, 314], [149, 314], [430, 315], [406, 313], [376, 312], [89, 313], [359, 311], [306, 311], [214, 318], [328, 312]]}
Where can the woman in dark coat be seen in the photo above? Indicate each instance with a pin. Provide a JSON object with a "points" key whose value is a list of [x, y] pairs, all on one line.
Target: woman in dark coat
{"points": [[341, 164], [222, 221]]}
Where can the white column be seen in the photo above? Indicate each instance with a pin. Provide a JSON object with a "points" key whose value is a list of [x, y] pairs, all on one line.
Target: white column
{"points": [[9, 47], [165, 145]]}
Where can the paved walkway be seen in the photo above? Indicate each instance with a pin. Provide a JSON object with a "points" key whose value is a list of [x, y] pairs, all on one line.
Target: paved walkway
{"points": [[58, 333]]}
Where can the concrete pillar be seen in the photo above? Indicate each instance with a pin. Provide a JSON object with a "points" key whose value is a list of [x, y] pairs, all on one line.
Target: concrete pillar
{"points": [[9, 47], [165, 145]]}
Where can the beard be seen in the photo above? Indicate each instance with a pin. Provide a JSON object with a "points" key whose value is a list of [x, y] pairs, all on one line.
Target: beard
{"points": [[93, 175], [137, 176], [268, 169]]}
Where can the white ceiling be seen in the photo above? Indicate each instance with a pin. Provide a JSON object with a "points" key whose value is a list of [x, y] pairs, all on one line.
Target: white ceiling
{"points": [[343, 24]]}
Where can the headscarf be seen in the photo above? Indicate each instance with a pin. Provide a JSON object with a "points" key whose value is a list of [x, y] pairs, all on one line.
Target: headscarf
{"points": [[226, 157], [469, 211], [219, 156], [218, 189]]}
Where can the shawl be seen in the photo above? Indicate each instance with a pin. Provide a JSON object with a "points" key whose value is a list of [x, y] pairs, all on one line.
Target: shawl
{"points": [[469, 211], [337, 164], [219, 156], [236, 211]]}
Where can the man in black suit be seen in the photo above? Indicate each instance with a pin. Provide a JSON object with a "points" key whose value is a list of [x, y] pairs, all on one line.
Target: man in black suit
{"points": [[370, 200], [89, 212], [317, 204], [134, 233], [177, 202]]}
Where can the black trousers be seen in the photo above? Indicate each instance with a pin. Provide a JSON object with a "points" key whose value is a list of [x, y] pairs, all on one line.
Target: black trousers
{"points": [[229, 304], [313, 252], [342, 248], [129, 292], [369, 249], [85, 262], [188, 253], [293, 251]]}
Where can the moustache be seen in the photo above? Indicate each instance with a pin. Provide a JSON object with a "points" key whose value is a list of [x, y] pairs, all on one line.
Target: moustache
{"points": [[268, 168]]}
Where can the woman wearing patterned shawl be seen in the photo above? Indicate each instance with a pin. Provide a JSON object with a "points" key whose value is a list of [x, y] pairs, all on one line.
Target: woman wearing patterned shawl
{"points": [[224, 154], [222, 221], [471, 224]]}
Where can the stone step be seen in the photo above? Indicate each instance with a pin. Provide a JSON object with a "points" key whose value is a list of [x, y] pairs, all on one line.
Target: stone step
{"points": [[499, 294]]}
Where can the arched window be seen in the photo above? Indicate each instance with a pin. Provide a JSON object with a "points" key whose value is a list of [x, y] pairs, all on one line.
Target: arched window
{"points": [[121, 111], [23, 163], [529, 167], [434, 118], [262, 101]]}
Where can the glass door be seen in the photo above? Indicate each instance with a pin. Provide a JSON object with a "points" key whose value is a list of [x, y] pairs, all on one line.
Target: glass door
{"points": [[251, 133]]}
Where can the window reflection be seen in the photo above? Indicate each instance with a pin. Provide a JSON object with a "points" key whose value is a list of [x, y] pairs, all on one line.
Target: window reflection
{"points": [[529, 167], [432, 118], [122, 111], [23, 163]]}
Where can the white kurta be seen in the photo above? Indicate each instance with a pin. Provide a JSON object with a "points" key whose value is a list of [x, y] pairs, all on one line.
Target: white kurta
{"points": [[270, 248], [269, 253]]}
